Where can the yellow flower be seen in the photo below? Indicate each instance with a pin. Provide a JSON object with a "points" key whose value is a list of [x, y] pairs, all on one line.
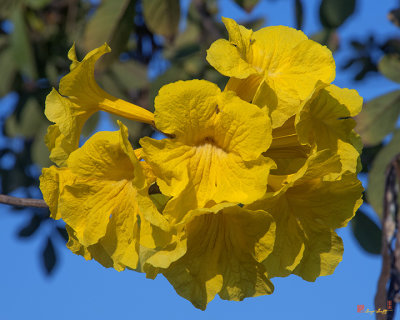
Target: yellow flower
{"points": [[276, 66], [224, 247], [307, 208], [98, 195], [215, 146], [249, 184], [80, 97], [325, 121]]}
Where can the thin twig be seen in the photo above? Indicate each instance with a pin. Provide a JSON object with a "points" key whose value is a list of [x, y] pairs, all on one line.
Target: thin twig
{"points": [[22, 202]]}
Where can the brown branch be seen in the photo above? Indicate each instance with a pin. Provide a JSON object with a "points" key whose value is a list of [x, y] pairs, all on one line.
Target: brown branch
{"points": [[22, 202], [390, 235]]}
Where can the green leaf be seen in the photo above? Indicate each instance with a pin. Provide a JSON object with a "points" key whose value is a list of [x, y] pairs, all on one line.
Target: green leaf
{"points": [[90, 125], [113, 23], [37, 4], [49, 256], [174, 73], [194, 65], [31, 227], [299, 14], [8, 71], [333, 13], [63, 233], [377, 176], [39, 151], [247, 5], [378, 118], [327, 37], [7, 7], [162, 16], [367, 233], [13, 179], [214, 76], [31, 119], [389, 66], [130, 74], [21, 47], [394, 17]]}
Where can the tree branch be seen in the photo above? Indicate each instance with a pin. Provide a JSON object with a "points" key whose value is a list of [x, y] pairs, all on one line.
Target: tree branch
{"points": [[22, 202]]}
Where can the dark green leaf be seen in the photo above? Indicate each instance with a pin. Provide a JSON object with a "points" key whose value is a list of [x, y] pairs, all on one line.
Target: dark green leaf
{"points": [[130, 74], [162, 16], [357, 45], [389, 66], [394, 17], [367, 232], [49, 256], [378, 118], [7, 7], [39, 152], [111, 23], [214, 76], [376, 179], [21, 47], [174, 73], [255, 24], [63, 233], [31, 227], [31, 118], [247, 5], [299, 14], [37, 4], [333, 13], [8, 71], [90, 125], [13, 179], [368, 155], [327, 37]]}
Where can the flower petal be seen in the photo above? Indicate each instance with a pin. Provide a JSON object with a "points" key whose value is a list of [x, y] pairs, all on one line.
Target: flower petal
{"points": [[100, 195], [324, 250], [227, 60], [226, 260]]}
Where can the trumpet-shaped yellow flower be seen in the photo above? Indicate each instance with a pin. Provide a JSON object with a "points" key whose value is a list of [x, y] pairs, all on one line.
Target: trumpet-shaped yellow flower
{"points": [[80, 97], [225, 245], [275, 66], [216, 145], [249, 183], [307, 209], [98, 195]]}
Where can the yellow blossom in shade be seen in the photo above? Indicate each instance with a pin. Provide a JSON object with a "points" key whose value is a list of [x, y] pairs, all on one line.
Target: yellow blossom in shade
{"points": [[307, 209], [98, 195], [80, 97], [225, 245], [276, 66], [286, 150], [216, 145], [325, 121]]}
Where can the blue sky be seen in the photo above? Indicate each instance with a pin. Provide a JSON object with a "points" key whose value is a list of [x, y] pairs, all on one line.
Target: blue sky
{"points": [[86, 290]]}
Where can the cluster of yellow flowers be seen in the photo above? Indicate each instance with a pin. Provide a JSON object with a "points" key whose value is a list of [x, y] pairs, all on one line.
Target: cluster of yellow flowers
{"points": [[250, 183]]}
